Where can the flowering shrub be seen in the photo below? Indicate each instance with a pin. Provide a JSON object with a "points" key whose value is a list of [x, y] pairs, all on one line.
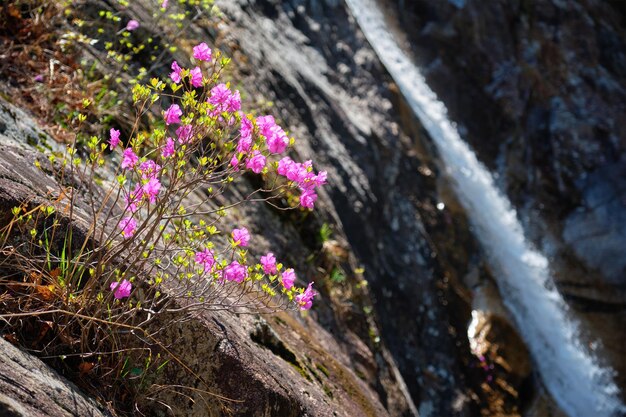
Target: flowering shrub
{"points": [[150, 248], [206, 141]]}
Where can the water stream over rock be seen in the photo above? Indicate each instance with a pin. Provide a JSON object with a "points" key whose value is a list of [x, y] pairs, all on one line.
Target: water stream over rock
{"points": [[571, 373]]}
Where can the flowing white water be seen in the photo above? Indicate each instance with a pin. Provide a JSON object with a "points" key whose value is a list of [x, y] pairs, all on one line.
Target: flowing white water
{"points": [[579, 385]]}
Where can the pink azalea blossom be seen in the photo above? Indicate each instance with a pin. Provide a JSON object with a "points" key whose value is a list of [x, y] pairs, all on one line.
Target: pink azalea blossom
{"points": [[303, 175], [275, 136], [128, 226], [122, 289], [269, 264], [277, 142], [223, 100], [39, 78], [288, 278], [284, 166], [149, 169], [196, 77], [235, 272], [175, 75], [164, 4], [305, 300], [308, 198], [169, 149], [202, 52], [256, 163], [172, 114], [241, 236], [233, 103], [265, 123], [206, 259], [246, 128], [133, 199], [234, 162], [244, 144], [132, 25], [294, 171], [114, 138], [219, 95], [319, 179], [184, 133], [151, 189], [129, 159]]}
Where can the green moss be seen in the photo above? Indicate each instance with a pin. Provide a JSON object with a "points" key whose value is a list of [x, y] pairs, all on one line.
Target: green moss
{"points": [[301, 371], [322, 369], [327, 391]]}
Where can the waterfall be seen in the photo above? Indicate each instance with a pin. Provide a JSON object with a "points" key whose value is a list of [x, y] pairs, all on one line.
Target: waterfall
{"points": [[570, 373]]}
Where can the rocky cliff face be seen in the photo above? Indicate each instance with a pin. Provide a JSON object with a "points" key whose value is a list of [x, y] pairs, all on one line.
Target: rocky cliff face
{"points": [[30, 388]]}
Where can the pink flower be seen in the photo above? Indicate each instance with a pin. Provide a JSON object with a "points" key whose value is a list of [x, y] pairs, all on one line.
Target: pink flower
{"points": [[129, 159], [246, 128], [319, 179], [149, 169], [233, 103], [277, 141], [308, 185], [122, 289], [244, 144], [295, 172], [305, 300], [206, 259], [265, 123], [151, 189], [288, 278], [39, 78], [196, 77], [256, 163], [241, 236], [175, 75], [234, 162], [128, 226], [269, 264], [303, 175], [168, 149], [184, 133], [284, 165], [308, 198], [164, 4], [114, 138], [235, 272], [132, 25], [275, 136], [133, 199], [202, 52], [219, 95], [172, 114]]}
